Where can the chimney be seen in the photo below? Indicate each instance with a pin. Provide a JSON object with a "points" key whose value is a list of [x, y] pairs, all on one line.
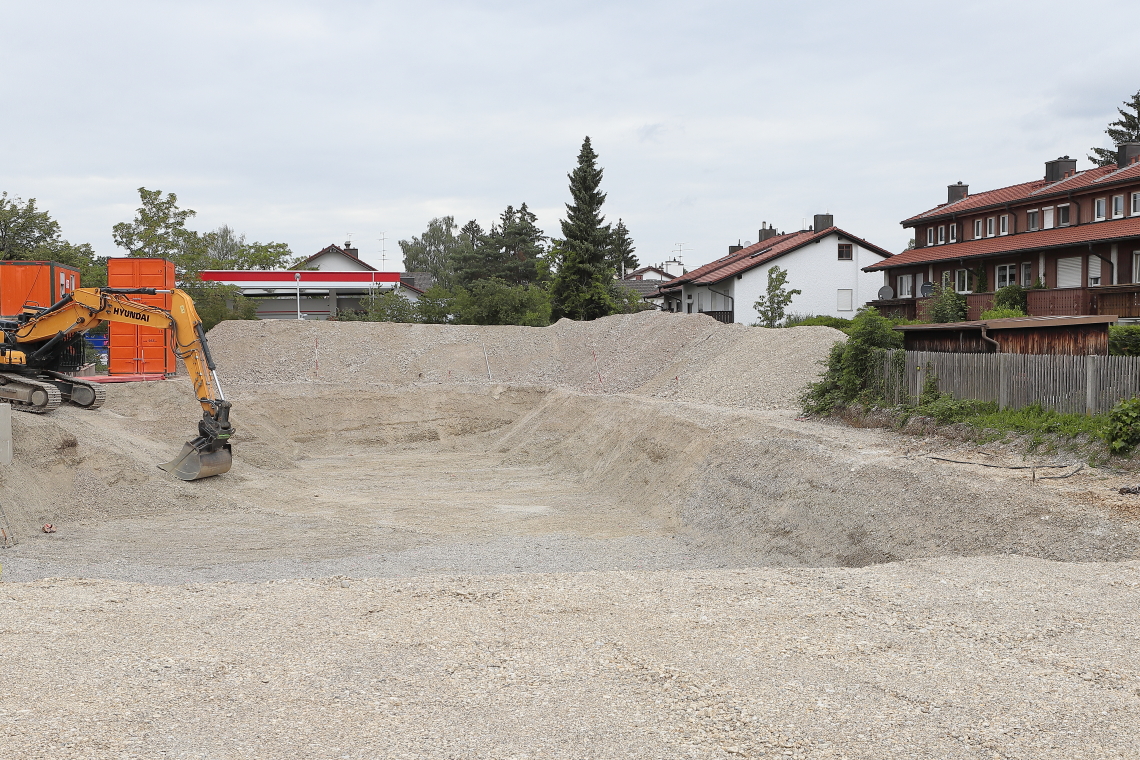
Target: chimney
{"points": [[354, 253], [956, 192], [765, 233], [1127, 153], [822, 222], [1059, 168], [734, 248]]}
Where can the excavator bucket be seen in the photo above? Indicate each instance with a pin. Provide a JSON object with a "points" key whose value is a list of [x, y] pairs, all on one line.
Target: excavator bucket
{"points": [[193, 464]]}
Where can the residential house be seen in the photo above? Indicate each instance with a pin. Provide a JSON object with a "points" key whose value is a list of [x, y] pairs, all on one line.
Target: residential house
{"points": [[825, 263], [646, 282], [1073, 235]]}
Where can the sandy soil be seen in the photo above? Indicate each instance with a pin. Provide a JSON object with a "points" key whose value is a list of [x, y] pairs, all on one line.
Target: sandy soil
{"points": [[490, 530]]}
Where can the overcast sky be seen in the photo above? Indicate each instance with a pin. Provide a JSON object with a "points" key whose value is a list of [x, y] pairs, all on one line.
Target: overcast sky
{"points": [[301, 122]]}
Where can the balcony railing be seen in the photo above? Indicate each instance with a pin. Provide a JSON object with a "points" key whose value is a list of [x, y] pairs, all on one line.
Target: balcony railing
{"points": [[1121, 300], [721, 316]]}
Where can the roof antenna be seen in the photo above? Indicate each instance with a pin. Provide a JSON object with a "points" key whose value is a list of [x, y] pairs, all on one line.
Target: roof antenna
{"points": [[383, 251]]}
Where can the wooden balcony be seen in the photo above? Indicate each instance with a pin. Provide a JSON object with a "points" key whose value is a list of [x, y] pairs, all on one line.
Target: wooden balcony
{"points": [[1121, 300]]}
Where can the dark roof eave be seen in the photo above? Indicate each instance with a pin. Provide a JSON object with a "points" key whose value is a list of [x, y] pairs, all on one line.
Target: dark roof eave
{"points": [[880, 266]]}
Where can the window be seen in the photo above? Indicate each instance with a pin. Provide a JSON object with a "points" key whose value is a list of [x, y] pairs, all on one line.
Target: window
{"points": [[845, 252], [845, 299], [930, 236], [1003, 224], [1098, 210], [977, 228], [1047, 218], [1135, 204], [1136, 266], [1069, 272], [990, 227], [906, 285], [1117, 206], [962, 281], [1005, 274], [1027, 274], [1031, 220], [1063, 216], [1094, 271], [941, 235]]}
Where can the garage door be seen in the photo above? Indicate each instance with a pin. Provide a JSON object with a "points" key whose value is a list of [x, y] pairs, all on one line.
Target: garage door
{"points": [[1069, 272]]}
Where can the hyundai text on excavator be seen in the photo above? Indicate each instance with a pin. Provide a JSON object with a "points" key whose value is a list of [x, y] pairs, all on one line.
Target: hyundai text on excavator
{"points": [[42, 344]]}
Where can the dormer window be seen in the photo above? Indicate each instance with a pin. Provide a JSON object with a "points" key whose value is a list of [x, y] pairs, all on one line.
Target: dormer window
{"points": [[1047, 218], [990, 227], [1032, 222], [953, 233], [941, 235], [1117, 206], [1003, 224], [977, 229], [1063, 216], [930, 236], [1099, 209], [1135, 204]]}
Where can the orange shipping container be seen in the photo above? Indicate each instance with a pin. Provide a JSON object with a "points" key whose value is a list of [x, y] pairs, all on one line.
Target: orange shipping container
{"points": [[34, 283], [141, 350]]}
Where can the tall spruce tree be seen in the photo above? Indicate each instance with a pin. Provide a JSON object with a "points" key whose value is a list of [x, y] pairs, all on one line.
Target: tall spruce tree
{"points": [[621, 250], [581, 288], [1125, 129]]}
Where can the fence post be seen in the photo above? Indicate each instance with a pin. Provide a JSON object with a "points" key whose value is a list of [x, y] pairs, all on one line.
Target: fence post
{"points": [[1091, 389], [1003, 381]]}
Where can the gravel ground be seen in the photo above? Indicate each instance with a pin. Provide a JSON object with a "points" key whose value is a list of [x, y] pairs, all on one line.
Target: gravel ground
{"points": [[621, 544], [942, 659]]}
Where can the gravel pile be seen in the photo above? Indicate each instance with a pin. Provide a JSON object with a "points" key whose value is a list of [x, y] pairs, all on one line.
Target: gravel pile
{"points": [[980, 658], [681, 357]]}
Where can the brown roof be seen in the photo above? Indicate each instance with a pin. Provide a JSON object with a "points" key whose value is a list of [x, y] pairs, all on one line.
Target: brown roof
{"points": [[761, 253], [1060, 237], [1088, 179], [1011, 323]]}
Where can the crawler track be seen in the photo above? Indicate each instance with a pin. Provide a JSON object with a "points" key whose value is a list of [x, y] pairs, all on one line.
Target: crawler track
{"points": [[44, 396], [82, 393]]}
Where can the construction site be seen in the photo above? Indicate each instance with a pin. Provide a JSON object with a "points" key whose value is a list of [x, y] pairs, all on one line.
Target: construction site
{"points": [[604, 539]]}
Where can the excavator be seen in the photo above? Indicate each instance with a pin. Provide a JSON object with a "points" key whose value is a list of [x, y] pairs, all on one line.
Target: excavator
{"points": [[41, 345]]}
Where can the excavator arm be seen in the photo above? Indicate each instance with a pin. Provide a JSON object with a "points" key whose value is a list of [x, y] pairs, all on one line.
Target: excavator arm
{"points": [[39, 332]]}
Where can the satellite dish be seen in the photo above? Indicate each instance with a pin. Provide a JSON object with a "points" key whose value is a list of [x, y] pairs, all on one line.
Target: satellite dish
{"points": [[886, 293], [925, 289]]}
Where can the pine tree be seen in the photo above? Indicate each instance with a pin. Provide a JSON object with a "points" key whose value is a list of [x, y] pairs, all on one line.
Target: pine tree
{"points": [[621, 250], [1125, 129], [581, 288]]}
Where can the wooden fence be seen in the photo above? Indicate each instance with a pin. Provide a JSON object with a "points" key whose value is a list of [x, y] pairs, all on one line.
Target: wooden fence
{"points": [[1067, 384]]}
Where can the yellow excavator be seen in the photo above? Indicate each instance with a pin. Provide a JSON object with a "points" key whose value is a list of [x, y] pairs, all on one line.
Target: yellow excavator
{"points": [[41, 345]]}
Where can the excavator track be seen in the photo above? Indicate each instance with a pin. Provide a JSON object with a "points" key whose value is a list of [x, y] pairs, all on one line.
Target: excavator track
{"points": [[28, 395], [82, 393]]}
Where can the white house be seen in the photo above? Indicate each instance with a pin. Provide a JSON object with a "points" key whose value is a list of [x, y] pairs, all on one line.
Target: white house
{"points": [[825, 263]]}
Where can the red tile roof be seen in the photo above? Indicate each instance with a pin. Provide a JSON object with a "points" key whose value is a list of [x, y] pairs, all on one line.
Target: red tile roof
{"points": [[1083, 180], [761, 253], [337, 249], [1117, 229]]}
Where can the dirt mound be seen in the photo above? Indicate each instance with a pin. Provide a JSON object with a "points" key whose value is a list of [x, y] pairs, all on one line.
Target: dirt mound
{"points": [[682, 357]]}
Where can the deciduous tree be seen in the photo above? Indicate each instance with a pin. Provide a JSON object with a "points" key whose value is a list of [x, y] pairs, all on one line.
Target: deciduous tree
{"points": [[772, 307]]}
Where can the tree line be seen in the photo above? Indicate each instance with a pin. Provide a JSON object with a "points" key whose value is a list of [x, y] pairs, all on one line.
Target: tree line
{"points": [[512, 273]]}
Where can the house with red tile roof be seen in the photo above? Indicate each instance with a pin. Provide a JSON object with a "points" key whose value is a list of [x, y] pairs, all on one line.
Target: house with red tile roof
{"points": [[1073, 235], [826, 263]]}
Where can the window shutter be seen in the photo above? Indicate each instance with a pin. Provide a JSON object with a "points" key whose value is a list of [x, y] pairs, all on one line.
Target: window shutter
{"points": [[844, 300], [1069, 272]]}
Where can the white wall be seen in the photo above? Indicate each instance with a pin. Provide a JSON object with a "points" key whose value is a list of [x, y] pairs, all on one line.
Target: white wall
{"points": [[815, 269]]}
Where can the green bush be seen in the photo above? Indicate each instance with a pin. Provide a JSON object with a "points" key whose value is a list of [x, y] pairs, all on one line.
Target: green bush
{"points": [[1124, 340], [1010, 297], [812, 320], [1123, 431], [946, 305], [1002, 313], [850, 365]]}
